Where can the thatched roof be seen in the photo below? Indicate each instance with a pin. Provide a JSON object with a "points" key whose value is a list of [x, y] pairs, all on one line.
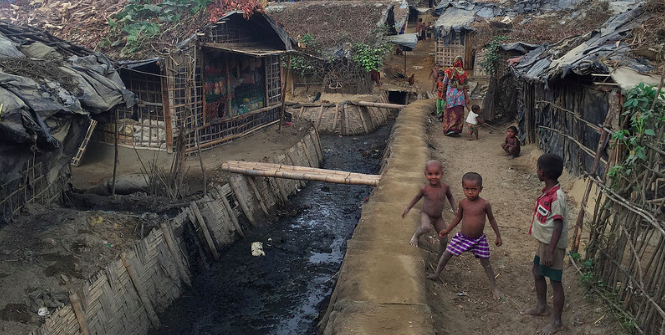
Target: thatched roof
{"points": [[99, 24], [332, 24]]}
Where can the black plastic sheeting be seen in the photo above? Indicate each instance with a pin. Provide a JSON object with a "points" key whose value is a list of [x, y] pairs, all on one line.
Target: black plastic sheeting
{"points": [[587, 54], [44, 119]]}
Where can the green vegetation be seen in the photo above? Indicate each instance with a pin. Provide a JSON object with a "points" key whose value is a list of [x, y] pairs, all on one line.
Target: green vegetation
{"points": [[141, 21], [492, 59], [646, 129], [369, 57]]}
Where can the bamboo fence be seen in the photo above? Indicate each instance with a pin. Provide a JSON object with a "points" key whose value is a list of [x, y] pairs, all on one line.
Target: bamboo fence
{"points": [[626, 247], [127, 296]]}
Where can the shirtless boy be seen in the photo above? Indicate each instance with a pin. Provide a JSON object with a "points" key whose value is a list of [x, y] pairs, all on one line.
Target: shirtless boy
{"points": [[435, 193], [472, 213], [512, 144]]}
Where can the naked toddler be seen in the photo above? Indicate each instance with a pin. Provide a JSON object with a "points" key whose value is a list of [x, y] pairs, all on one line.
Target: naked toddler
{"points": [[434, 193]]}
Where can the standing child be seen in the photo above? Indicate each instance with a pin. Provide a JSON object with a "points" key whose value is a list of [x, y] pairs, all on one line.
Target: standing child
{"points": [[549, 227], [474, 121], [420, 29], [435, 193], [440, 96], [512, 144], [434, 74], [472, 212]]}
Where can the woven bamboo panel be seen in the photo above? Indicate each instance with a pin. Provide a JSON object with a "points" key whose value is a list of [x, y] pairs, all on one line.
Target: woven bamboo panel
{"points": [[219, 223], [242, 191], [445, 54], [344, 119], [289, 185]]}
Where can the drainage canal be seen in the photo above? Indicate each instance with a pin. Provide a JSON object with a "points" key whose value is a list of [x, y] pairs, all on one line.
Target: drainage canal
{"points": [[285, 291]]}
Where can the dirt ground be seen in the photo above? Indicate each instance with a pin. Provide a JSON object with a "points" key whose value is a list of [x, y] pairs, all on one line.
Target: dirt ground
{"points": [[511, 186], [51, 250], [461, 301]]}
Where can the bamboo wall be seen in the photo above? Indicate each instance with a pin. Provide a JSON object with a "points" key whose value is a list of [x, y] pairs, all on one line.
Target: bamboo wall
{"points": [[341, 118], [126, 297]]}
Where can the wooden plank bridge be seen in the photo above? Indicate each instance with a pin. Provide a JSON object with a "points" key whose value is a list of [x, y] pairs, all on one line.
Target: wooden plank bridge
{"points": [[300, 172]]}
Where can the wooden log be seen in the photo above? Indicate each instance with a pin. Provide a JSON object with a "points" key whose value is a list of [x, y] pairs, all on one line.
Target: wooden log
{"points": [[204, 228], [258, 195], [147, 305], [243, 204], [362, 120], [335, 119], [319, 148], [356, 179], [175, 252], [230, 212], [577, 234], [310, 161], [78, 312], [377, 104], [318, 118]]}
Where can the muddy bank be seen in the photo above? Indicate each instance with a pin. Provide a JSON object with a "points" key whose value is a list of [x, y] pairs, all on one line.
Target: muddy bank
{"points": [[284, 291], [381, 287]]}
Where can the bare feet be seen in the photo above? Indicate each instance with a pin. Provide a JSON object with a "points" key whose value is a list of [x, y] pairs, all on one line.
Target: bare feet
{"points": [[551, 328], [536, 311], [414, 241], [498, 295], [433, 276]]}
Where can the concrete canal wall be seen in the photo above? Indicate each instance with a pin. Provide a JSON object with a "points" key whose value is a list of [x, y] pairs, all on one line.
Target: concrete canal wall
{"points": [[126, 296], [382, 286]]}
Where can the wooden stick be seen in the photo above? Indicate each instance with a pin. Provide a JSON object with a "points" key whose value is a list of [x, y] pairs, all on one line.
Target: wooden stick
{"points": [[242, 203], [259, 196], [376, 104], [173, 249], [204, 229], [318, 118], [293, 162], [362, 120], [230, 212], [288, 69], [78, 312], [147, 305]]}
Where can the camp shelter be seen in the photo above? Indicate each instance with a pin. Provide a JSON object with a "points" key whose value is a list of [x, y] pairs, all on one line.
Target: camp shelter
{"points": [[49, 89], [219, 84], [563, 92], [453, 33], [328, 31]]}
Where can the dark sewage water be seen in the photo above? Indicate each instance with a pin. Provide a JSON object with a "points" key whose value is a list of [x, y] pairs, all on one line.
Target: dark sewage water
{"points": [[287, 290]]}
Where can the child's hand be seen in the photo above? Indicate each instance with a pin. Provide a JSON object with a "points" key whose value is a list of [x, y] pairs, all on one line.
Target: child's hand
{"points": [[498, 241], [443, 233], [406, 211]]}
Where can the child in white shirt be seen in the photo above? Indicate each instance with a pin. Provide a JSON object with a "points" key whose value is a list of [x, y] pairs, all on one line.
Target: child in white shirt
{"points": [[474, 121]]}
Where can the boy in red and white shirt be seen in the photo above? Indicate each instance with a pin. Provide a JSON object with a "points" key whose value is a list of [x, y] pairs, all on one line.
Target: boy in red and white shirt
{"points": [[550, 227]]}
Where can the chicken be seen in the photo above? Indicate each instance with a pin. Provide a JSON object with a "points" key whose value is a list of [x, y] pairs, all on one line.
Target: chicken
{"points": [[412, 79]]}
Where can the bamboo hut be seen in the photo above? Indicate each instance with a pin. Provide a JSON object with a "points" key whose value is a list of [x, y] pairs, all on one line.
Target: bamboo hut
{"points": [[221, 83]]}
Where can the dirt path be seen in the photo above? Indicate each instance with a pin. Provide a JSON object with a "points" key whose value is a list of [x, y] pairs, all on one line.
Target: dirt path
{"points": [[461, 302]]}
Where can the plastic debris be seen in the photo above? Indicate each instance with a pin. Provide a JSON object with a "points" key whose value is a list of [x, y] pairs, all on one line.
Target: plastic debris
{"points": [[257, 249]]}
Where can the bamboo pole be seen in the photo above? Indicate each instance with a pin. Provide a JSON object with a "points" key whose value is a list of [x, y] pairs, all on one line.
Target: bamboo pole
{"points": [[259, 196], [318, 118], [312, 138], [362, 120], [78, 312], [115, 154], [288, 69], [352, 179], [174, 250], [204, 228], [243, 204], [272, 166], [147, 305], [230, 212], [577, 235]]}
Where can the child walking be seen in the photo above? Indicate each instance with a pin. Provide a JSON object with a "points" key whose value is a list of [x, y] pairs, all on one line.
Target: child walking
{"points": [[472, 213], [511, 145], [434, 193], [440, 96], [549, 227], [474, 121]]}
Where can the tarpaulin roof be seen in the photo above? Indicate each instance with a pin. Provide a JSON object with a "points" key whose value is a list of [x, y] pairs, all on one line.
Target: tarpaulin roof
{"points": [[406, 40], [597, 52], [48, 87]]}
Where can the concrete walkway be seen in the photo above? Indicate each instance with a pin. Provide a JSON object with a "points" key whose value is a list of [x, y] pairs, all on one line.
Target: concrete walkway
{"points": [[382, 286]]}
